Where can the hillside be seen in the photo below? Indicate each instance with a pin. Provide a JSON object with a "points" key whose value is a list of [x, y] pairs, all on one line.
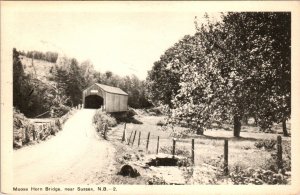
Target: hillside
{"points": [[39, 68]]}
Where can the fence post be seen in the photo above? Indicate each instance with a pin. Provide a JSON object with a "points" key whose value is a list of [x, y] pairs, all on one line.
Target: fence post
{"points": [[147, 141], [173, 151], [124, 133], [157, 145], [279, 152], [105, 131], [139, 139], [40, 132], [193, 154], [226, 157], [133, 138], [129, 137], [33, 132]]}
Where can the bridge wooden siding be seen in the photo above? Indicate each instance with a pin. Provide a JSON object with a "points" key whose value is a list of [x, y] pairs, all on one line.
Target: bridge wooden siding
{"points": [[114, 99]]}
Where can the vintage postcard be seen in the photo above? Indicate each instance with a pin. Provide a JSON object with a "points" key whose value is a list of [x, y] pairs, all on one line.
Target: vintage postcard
{"points": [[154, 97]]}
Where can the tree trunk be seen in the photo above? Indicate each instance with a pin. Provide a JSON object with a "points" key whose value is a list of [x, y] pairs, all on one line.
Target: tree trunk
{"points": [[237, 126], [285, 133], [256, 121], [245, 120], [199, 131]]}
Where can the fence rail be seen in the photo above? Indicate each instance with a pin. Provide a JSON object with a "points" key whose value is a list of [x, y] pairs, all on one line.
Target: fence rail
{"points": [[40, 129], [173, 143]]}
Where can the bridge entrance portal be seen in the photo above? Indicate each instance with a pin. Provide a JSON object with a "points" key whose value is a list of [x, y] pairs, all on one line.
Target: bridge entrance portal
{"points": [[93, 101]]}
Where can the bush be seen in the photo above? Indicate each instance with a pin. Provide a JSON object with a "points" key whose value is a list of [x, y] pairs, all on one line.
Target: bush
{"points": [[22, 128], [100, 119], [156, 181], [268, 144], [271, 162], [258, 177]]}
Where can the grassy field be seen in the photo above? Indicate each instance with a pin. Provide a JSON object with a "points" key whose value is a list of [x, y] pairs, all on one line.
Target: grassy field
{"points": [[209, 148]]}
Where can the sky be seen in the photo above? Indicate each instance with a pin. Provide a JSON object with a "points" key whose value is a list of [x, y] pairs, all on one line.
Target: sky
{"points": [[125, 38]]}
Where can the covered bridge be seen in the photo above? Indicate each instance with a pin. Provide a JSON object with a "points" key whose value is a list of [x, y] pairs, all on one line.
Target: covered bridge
{"points": [[110, 99]]}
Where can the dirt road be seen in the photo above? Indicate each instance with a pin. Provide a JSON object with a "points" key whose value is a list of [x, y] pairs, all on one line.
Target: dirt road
{"points": [[76, 155]]}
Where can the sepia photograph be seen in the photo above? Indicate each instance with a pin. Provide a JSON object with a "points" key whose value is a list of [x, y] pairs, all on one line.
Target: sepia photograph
{"points": [[97, 96]]}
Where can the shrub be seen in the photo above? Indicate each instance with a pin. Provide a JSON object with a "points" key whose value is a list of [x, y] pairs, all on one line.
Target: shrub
{"points": [[271, 162], [21, 128], [258, 176], [156, 181], [100, 119], [268, 144]]}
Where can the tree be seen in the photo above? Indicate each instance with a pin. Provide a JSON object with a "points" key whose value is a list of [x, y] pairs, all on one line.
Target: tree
{"points": [[18, 77], [69, 80], [88, 73], [162, 82], [260, 44], [241, 69]]}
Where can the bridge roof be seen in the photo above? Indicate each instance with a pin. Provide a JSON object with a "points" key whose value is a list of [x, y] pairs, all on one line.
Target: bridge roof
{"points": [[111, 89]]}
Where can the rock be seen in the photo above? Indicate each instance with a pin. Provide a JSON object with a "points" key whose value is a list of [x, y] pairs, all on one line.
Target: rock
{"points": [[128, 170]]}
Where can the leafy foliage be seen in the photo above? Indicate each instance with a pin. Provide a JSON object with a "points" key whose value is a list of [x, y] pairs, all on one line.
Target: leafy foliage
{"points": [[102, 119], [268, 144], [230, 69], [163, 79], [258, 177], [156, 181]]}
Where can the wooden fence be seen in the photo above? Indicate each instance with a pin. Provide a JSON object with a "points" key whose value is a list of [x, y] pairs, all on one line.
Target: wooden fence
{"points": [[131, 140], [40, 128]]}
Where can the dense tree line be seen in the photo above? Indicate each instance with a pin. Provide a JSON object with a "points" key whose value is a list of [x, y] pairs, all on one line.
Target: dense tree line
{"points": [[46, 56], [63, 88], [234, 68]]}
